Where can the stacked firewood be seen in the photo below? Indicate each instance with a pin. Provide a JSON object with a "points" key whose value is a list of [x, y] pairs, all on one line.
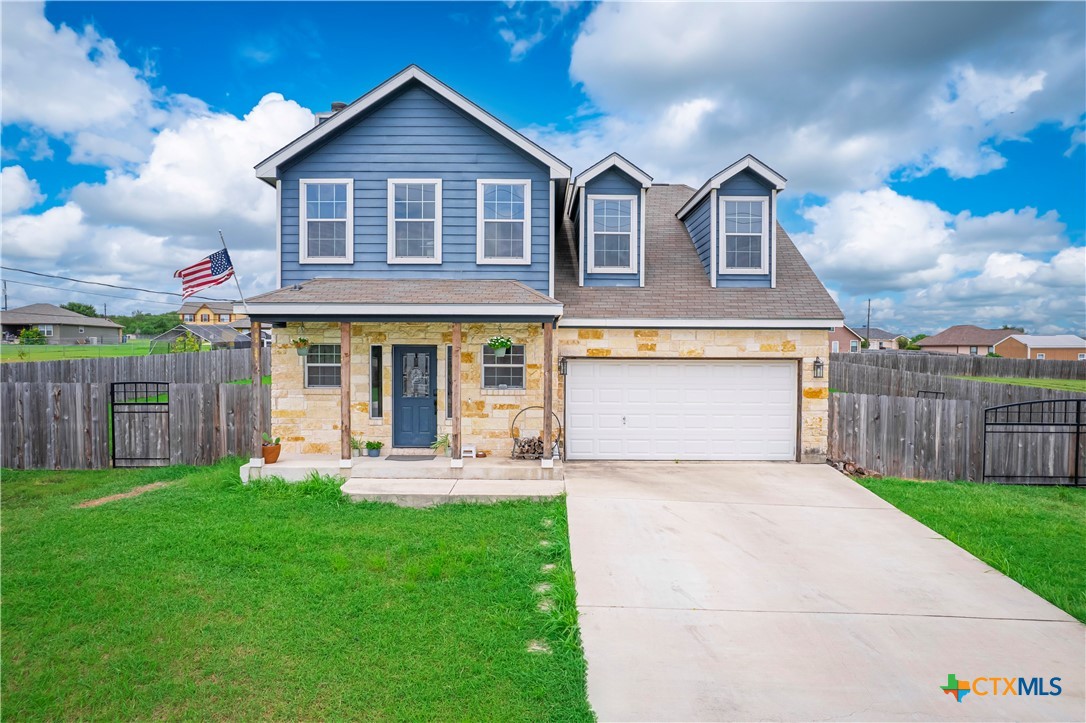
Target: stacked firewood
{"points": [[527, 447]]}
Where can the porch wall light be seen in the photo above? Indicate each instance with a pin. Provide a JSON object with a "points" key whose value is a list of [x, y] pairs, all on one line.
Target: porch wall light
{"points": [[819, 368], [562, 366]]}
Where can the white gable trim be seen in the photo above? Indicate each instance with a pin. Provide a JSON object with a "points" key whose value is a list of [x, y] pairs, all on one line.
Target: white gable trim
{"points": [[612, 161], [743, 164], [267, 169]]}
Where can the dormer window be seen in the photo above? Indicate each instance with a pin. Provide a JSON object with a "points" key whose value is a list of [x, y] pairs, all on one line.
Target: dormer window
{"points": [[503, 222], [612, 228], [414, 221], [326, 227], [745, 241]]}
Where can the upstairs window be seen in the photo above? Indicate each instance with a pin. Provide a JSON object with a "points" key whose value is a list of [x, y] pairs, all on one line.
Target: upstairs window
{"points": [[205, 317], [504, 210], [612, 230], [853, 346], [225, 318], [414, 221], [745, 237], [326, 228], [190, 317]]}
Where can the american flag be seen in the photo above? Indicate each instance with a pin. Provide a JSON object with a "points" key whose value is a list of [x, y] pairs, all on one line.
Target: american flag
{"points": [[205, 273]]}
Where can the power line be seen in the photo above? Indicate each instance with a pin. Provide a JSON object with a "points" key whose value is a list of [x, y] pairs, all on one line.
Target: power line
{"points": [[102, 283], [95, 293]]}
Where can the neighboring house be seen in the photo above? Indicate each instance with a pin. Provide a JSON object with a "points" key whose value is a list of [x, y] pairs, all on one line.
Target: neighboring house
{"points": [[413, 226], [60, 326], [965, 339], [880, 338], [1063, 347], [844, 339], [215, 336], [209, 312]]}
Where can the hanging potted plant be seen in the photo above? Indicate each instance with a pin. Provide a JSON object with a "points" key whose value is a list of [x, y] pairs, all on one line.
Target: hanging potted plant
{"points": [[301, 345], [500, 344], [270, 449]]}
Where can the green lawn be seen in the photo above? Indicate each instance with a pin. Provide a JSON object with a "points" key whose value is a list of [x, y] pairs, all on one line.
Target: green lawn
{"points": [[213, 600], [1035, 535], [51, 352], [1067, 385]]}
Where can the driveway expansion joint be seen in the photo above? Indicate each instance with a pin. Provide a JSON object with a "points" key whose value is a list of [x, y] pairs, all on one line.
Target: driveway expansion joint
{"points": [[826, 612]]}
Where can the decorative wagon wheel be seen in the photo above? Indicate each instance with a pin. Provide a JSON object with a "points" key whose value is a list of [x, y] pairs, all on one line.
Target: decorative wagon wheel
{"points": [[532, 447]]}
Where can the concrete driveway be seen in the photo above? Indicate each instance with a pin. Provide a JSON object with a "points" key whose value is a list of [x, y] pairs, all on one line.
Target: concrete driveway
{"points": [[734, 591]]}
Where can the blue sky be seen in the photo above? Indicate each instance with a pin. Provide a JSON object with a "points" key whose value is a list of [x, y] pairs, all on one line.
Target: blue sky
{"points": [[934, 150]]}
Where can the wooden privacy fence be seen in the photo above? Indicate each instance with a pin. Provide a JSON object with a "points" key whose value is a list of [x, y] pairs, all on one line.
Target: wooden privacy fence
{"points": [[960, 365], [216, 366], [905, 436], [68, 425]]}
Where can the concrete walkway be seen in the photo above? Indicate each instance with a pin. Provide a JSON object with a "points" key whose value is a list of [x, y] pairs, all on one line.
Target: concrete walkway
{"points": [[716, 591]]}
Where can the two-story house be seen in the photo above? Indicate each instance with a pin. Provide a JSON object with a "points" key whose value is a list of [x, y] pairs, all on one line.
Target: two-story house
{"points": [[649, 321], [210, 312]]}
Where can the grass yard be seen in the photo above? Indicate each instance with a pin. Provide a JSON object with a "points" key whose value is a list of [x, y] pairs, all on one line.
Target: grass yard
{"points": [[1067, 385], [1035, 535], [208, 599], [51, 352]]}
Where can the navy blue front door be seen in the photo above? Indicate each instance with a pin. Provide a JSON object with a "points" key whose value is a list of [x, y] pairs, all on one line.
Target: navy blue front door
{"points": [[414, 396]]}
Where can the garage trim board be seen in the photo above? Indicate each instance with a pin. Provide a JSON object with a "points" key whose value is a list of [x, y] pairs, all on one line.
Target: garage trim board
{"points": [[681, 409]]}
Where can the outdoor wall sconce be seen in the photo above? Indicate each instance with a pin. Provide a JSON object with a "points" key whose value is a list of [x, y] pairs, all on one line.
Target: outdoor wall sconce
{"points": [[562, 366], [819, 367]]}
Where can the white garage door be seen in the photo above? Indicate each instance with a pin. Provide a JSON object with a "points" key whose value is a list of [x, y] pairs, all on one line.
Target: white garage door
{"points": [[681, 409]]}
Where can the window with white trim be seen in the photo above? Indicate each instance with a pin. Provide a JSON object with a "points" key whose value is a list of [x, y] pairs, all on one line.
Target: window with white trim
{"points": [[1082, 357], [45, 329], [1041, 355], [506, 371], [414, 221], [835, 346], [190, 317], [612, 233], [325, 224], [853, 346], [322, 365], [744, 239], [503, 221], [225, 318]]}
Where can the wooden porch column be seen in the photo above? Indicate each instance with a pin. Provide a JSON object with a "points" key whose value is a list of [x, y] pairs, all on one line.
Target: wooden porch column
{"points": [[257, 457], [454, 440], [548, 394], [345, 395]]}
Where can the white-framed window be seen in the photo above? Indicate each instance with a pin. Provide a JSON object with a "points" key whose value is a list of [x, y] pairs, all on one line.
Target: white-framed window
{"points": [[326, 221], [612, 234], [225, 318], [190, 317], [744, 236], [45, 329], [414, 220], [205, 317], [835, 346], [503, 221], [1082, 357], [973, 350], [853, 346], [80, 330], [377, 374], [448, 382], [1040, 355], [322, 365], [506, 371]]}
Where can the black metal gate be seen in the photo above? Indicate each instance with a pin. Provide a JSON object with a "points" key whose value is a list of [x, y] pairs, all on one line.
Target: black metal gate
{"points": [[1035, 442], [139, 415]]}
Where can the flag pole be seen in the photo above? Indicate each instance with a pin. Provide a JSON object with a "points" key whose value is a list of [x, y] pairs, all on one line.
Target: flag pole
{"points": [[242, 295]]}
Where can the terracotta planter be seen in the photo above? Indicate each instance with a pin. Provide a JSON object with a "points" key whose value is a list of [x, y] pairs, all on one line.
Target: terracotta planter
{"points": [[271, 452]]}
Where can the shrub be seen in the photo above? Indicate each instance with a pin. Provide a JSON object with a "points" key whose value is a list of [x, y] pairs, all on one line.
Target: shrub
{"points": [[31, 335]]}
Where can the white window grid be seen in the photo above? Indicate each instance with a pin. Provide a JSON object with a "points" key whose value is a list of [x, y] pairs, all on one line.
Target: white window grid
{"points": [[322, 366], [505, 219], [612, 221], [745, 227], [414, 220], [326, 221], [504, 372]]}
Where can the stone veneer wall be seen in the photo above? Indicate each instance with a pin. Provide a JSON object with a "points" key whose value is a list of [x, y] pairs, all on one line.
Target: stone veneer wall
{"points": [[308, 419]]}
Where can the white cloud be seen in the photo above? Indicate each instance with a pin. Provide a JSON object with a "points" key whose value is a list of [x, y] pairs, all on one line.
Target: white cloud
{"points": [[524, 25], [43, 236], [837, 104], [74, 85], [18, 191]]}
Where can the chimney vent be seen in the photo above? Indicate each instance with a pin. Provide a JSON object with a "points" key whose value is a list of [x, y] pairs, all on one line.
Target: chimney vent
{"points": [[338, 106]]}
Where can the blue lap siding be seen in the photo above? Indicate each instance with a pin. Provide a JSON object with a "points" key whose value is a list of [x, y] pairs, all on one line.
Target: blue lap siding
{"points": [[612, 182], [745, 183], [416, 134], [699, 225]]}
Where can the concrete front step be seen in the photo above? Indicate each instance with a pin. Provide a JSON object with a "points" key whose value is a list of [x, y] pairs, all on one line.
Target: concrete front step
{"points": [[415, 492], [439, 468]]}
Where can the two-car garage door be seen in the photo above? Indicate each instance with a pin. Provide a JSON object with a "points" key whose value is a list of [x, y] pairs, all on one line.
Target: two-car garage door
{"points": [[681, 409]]}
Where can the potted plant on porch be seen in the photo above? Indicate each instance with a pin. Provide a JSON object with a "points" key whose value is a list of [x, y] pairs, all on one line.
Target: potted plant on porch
{"points": [[442, 445], [301, 345], [373, 448], [357, 445], [270, 449], [500, 344]]}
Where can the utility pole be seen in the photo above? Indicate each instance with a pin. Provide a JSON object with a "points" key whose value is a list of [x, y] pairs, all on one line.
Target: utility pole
{"points": [[105, 312], [867, 337], [5, 296]]}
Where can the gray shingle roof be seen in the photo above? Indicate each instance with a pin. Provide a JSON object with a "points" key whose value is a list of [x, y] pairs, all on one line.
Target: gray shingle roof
{"points": [[966, 335], [50, 314], [676, 284], [404, 291], [876, 333]]}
